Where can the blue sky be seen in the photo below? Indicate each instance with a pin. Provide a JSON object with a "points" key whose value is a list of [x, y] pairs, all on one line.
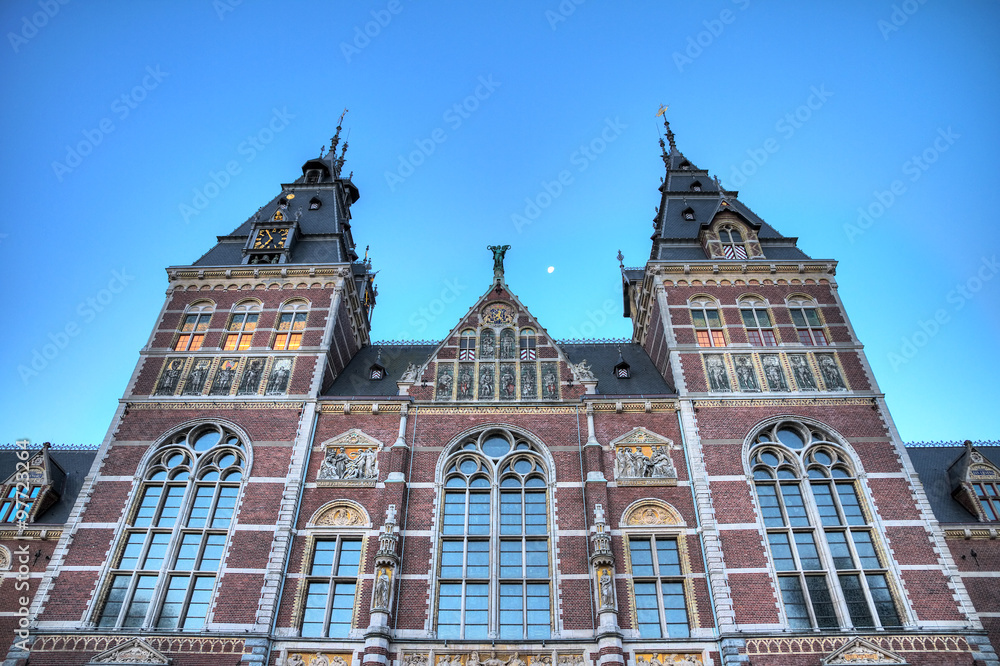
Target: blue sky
{"points": [[122, 116]]}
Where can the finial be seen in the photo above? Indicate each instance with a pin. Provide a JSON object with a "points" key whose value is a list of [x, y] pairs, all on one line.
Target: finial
{"points": [[621, 259], [498, 253], [335, 139], [322, 149], [378, 356], [670, 135], [968, 445], [350, 175], [663, 153]]}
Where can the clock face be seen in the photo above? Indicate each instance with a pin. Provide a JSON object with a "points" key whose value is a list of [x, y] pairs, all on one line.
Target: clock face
{"points": [[270, 239]]}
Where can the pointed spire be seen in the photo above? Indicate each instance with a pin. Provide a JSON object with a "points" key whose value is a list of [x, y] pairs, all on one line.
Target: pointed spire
{"points": [[663, 154], [335, 139], [670, 135], [621, 260]]}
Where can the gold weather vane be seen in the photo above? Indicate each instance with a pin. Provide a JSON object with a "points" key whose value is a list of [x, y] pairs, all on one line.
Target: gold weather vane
{"points": [[663, 109]]}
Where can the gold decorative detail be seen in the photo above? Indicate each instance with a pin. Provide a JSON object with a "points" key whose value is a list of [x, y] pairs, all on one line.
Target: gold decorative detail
{"points": [[668, 659], [338, 407], [318, 659], [5, 559], [30, 534], [224, 403], [341, 515], [650, 513], [643, 458], [498, 314]]}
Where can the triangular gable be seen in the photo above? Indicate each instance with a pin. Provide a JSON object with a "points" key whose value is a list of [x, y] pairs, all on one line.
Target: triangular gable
{"points": [[727, 214], [489, 356], [860, 651], [134, 652], [970, 468]]}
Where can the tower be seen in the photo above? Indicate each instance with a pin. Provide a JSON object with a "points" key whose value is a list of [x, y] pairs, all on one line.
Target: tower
{"points": [[724, 487]]}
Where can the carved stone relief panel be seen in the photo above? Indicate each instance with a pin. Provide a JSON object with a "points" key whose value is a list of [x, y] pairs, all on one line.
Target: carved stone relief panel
{"points": [[829, 370], [643, 458], [774, 373], [746, 376], [802, 373], [718, 376], [349, 459]]}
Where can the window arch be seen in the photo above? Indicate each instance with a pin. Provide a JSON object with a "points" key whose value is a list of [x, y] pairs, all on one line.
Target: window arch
{"points": [[708, 327], [291, 323], [172, 544], [467, 345], [733, 243], [757, 320], [805, 316], [658, 569], [242, 324], [688, 214], [495, 572], [193, 326], [528, 344], [832, 572]]}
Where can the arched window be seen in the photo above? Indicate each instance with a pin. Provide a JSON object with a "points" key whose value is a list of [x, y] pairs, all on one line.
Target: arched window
{"points": [[169, 554], [688, 214], [242, 324], [831, 573], [291, 323], [494, 545], [807, 322], [707, 323], [193, 327], [760, 330], [467, 345], [732, 242], [315, 203], [528, 344]]}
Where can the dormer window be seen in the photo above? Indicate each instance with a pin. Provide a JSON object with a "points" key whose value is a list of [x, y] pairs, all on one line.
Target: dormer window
{"points": [[315, 203], [312, 176], [622, 369], [377, 370], [685, 164], [696, 186], [16, 506], [688, 214], [467, 346], [528, 345], [732, 242], [989, 499]]}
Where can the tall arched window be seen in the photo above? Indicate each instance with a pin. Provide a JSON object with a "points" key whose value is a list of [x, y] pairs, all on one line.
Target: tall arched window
{"points": [[242, 324], [291, 323], [760, 330], [495, 574], [733, 245], [193, 327], [831, 572], [168, 557], [807, 322], [707, 323], [467, 345]]}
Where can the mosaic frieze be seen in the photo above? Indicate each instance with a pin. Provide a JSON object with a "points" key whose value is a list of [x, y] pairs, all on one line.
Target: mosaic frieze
{"points": [[486, 382], [802, 373], [529, 385], [774, 373], [225, 376], [487, 344], [507, 344], [498, 314], [170, 376], [643, 458], [477, 658], [349, 459], [746, 377], [281, 371], [550, 381], [195, 382], [466, 381], [508, 382], [829, 370], [445, 380], [718, 376]]}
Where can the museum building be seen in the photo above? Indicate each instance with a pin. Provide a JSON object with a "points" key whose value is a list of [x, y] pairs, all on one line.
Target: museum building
{"points": [[726, 487]]}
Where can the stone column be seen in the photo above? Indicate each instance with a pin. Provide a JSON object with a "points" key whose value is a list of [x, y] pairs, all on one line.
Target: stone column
{"points": [[378, 635], [602, 562]]}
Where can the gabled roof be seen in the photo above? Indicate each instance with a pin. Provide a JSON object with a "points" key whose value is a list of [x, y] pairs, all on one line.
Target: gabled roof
{"points": [[67, 474], [935, 466]]}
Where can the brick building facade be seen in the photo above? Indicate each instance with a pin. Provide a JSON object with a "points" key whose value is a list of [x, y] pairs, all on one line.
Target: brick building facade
{"points": [[726, 487]]}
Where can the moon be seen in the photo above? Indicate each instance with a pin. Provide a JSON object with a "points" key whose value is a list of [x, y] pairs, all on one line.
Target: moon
{"points": [[551, 268]]}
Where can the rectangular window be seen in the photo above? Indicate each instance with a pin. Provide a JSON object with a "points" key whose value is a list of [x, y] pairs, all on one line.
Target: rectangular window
{"points": [[808, 326], [708, 327], [290, 325], [192, 332], [331, 586], [658, 584], [760, 331]]}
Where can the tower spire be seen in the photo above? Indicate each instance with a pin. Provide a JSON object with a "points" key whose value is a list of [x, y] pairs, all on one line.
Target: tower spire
{"points": [[335, 139]]}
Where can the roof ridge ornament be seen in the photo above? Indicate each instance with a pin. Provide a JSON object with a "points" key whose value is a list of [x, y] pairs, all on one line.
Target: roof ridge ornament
{"points": [[498, 255], [335, 139]]}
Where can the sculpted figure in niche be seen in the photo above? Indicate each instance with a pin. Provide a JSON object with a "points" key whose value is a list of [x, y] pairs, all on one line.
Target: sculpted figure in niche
{"points": [[633, 463], [295, 660], [803, 375], [607, 590], [382, 589], [831, 374]]}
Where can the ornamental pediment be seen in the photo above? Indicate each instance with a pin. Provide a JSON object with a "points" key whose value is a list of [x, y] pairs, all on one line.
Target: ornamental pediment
{"points": [[860, 651], [134, 652], [349, 459]]}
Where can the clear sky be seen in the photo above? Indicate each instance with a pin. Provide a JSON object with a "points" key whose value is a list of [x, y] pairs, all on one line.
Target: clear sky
{"points": [[122, 117]]}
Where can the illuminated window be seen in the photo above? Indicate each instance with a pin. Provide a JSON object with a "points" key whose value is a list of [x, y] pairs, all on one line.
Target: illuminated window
{"points": [[291, 323], [528, 345], [467, 345], [760, 330], [331, 585], [494, 471], [732, 242], [823, 546], [16, 506], [707, 323], [193, 328], [807, 323], [658, 582], [989, 499], [242, 324], [169, 555]]}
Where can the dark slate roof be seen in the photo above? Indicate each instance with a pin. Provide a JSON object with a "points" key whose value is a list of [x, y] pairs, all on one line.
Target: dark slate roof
{"points": [[76, 465], [355, 379], [705, 203], [324, 234], [602, 358], [932, 463]]}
